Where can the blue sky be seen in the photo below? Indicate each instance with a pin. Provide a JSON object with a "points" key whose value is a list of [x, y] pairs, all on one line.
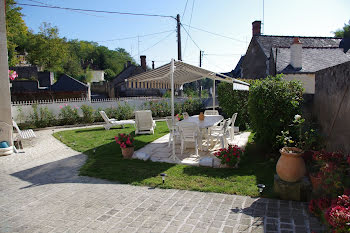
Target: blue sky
{"points": [[231, 18]]}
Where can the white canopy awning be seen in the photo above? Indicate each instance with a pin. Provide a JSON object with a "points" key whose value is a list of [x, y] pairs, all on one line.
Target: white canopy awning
{"points": [[185, 73]]}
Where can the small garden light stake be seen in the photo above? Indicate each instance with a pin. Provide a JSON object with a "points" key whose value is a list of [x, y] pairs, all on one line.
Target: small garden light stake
{"points": [[261, 188], [163, 175]]}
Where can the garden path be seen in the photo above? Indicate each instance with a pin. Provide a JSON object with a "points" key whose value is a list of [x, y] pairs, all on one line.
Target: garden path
{"points": [[41, 191]]}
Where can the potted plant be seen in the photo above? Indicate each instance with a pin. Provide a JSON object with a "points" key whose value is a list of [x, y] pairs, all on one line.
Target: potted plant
{"points": [[230, 156], [126, 142], [291, 166], [179, 117]]}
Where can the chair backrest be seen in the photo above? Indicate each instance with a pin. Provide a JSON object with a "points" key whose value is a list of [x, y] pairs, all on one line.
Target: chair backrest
{"points": [[211, 112], [16, 126], [233, 119], [5, 131], [169, 122], [185, 114], [144, 120], [188, 129], [104, 116]]}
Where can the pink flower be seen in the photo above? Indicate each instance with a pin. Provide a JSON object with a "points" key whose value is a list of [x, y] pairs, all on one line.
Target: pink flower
{"points": [[76, 107], [123, 145], [61, 106], [65, 105], [128, 141]]}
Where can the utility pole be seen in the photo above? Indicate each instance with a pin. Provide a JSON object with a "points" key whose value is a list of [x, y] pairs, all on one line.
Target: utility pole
{"points": [[200, 81], [179, 57]]}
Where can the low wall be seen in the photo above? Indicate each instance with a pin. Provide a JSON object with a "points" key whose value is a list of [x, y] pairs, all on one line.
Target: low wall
{"points": [[22, 110], [332, 105]]}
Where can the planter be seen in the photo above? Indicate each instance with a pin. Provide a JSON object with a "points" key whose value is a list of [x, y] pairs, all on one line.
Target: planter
{"points": [[291, 166], [315, 181], [127, 152]]}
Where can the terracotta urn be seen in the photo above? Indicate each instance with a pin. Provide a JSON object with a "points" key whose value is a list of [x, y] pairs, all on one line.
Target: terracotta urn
{"points": [[291, 166], [201, 116], [127, 152]]}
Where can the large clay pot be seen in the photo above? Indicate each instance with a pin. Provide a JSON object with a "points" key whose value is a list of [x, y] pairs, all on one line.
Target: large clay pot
{"points": [[291, 166], [127, 152], [315, 181], [201, 116]]}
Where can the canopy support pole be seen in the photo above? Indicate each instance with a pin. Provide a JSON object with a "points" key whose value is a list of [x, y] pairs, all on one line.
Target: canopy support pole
{"points": [[214, 93], [172, 70]]}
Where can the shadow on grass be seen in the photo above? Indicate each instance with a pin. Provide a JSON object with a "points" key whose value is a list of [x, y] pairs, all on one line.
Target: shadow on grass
{"points": [[103, 129]]}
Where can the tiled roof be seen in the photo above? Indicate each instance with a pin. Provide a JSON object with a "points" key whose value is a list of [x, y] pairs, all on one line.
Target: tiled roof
{"points": [[129, 71], [313, 59], [268, 42]]}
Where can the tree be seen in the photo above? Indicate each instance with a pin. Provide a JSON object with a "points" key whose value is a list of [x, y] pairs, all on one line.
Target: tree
{"points": [[47, 49], [343, 33], [16, 31]]}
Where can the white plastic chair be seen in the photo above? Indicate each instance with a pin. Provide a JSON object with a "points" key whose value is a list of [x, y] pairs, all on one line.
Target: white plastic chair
{"points": [[189, 132], [211, 112], [22, 134], [219, 133], [185, 115], [176, 131], [144, 122], [231, 126]]}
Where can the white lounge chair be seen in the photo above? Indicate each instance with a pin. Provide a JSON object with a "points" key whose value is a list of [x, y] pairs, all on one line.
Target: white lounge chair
{"points": [[189, 132], [110, 122], [211, 112], [144, 122], [220, 133], [185, 115], [22, 134]]}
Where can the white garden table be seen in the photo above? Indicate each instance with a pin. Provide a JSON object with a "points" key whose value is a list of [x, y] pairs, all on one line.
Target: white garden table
{"points": [[209, 121]]}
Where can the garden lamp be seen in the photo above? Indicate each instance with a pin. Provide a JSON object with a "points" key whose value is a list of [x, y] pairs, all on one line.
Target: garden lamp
{"points": [[261, 187], [163, 175]]}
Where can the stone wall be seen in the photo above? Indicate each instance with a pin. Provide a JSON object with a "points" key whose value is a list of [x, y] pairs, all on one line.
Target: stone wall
{"points": [[332, 105]]}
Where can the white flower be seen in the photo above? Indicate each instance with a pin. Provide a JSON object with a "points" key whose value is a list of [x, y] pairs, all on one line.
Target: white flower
{"points": [[297, 117]]}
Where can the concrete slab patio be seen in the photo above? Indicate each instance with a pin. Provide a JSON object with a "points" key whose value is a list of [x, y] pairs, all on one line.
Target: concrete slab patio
{"points": [[42, 192]]}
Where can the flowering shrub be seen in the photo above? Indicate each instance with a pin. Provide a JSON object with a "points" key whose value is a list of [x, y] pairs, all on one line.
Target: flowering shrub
{"points": [[179, 117], [125, 140], [69, 115], [230, 156], [88, 114], [12, 75]]}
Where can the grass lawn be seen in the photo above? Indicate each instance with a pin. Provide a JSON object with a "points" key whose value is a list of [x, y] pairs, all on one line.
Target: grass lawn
{"points": [[107, 163]]}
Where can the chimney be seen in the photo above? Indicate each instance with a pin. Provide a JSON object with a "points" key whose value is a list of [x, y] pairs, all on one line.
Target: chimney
{"points": [[128, 63], [143, 62], [296, 58], [256, 28], [152, 65]]}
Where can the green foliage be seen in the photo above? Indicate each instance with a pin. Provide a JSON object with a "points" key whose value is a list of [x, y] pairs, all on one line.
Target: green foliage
{"points": [[158, 108], [343, 33], [16, 31], [42, 117], [109, 74], [112, 112], [88, 114], [234, 101], [125, 112], [272, 105], [167, 94], [192, 106], [69, 115], [97, 115]]}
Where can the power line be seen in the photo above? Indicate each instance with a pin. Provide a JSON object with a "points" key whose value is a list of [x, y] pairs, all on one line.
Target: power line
{"points": [[190, 37], [223, 54], [189, 28], [156, 43], [184, 9], [213, 33], [97, 11], [72, 10], [133, 37]]}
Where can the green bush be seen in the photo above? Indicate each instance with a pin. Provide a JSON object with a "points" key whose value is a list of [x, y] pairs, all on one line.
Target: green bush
{"points": [[69, 115], [88, 114], [234, 101], [112, 112], [124, 112], [42, 117], [192, 106], [97, 115], [159, 109], [272, 105]]}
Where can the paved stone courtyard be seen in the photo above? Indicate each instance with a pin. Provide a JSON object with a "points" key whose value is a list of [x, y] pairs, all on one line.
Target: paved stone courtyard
{"points": [[42, 192]]}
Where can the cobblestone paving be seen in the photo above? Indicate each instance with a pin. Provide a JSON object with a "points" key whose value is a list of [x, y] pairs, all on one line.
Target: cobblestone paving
{"points": [[40, 191]]}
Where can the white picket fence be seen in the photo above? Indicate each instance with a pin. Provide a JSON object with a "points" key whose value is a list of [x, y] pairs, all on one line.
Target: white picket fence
{"points": [[21, 110]]}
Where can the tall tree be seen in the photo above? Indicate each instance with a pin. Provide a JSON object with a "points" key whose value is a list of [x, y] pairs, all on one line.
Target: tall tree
{"points": [[16, 31], [344, 32], [47, 49]]}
